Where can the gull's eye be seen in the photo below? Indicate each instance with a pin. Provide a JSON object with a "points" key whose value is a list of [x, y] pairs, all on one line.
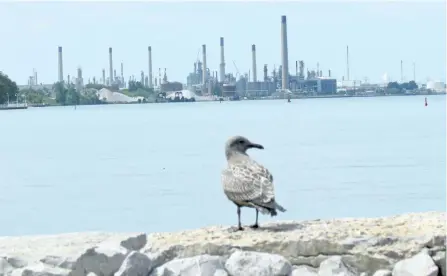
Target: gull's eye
{"points": [[241, 141]]}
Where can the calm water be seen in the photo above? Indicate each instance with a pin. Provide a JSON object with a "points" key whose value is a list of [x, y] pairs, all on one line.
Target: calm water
{"points": [[157, 167]]}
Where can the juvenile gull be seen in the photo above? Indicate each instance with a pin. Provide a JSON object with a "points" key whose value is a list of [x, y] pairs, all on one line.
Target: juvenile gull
{"points": [[247, 183]]}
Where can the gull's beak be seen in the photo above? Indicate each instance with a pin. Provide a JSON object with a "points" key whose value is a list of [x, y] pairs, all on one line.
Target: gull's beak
{"points": [[257, 146]]}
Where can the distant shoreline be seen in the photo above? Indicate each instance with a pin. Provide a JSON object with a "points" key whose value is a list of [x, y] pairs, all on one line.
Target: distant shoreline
{"points": [[256, 99]]}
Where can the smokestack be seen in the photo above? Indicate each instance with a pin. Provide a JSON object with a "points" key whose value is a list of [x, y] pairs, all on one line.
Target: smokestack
{"points": [[60, 66], [284, 53], [301, 69], [104, 76], [347, 62], [204, 75], [159, 76], [253, 58], [111, 65], [35, 77], [149, 49], [222, 60], [329, 73], [122, 72], [296, 69], [265, 72]]}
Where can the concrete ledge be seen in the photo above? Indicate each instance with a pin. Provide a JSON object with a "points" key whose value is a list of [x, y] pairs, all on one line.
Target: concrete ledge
{"points": [[409, 244]]}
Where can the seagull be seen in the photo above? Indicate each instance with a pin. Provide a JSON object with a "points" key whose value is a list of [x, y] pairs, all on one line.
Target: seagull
{"points": [[247, 183]]}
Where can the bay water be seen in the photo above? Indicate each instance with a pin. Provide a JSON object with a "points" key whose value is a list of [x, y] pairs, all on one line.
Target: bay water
{"points": [[156, 167]]}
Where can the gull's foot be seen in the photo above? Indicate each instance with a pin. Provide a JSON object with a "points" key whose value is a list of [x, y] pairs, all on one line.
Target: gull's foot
{"points": [[235, 229], [254, 226]]}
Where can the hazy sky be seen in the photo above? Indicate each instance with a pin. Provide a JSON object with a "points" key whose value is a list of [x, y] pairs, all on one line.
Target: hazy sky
{"points": [[379, 35]]}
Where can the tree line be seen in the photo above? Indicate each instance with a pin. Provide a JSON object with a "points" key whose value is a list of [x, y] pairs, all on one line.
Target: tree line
{"points": [[8, 89], [68, 95], [411, 85]]}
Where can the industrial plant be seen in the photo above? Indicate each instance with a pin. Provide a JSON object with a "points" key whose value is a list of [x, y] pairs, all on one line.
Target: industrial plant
{"points": [[205, 84]]}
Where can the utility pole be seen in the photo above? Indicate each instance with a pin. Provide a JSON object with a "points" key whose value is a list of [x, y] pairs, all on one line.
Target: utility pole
{"points": [[414, 71]]}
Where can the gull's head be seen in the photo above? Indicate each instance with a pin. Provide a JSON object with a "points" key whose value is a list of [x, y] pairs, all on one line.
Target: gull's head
{"points": [[240, 144]]}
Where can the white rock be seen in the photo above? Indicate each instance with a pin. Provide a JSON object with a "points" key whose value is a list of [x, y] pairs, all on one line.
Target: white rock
{"points": [[249, 263], [58, 261], [420, 264], [41, 269], [135, 243], [334, 266], [135, 264], [220, 272], [17, 262], [382, 272], [103, 260], [304, 270], [204, 265], [5, 266], [368, 243], [440, 261]]}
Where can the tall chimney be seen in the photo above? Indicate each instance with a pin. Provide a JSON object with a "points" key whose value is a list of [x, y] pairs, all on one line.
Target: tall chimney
{"points": [[149, 49], [204, 75], [104, 76], [222, 60], [265, 72], [253, 60], [284, 53], [329, 73], [111, 66], [347, 62], [60, 66]]}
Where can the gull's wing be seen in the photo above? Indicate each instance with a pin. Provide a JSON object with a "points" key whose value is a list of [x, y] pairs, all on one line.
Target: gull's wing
{"points": [[248, 181]]}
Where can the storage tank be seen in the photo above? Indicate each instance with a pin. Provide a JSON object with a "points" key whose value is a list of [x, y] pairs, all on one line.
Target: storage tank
{"points": [[437, 86]]}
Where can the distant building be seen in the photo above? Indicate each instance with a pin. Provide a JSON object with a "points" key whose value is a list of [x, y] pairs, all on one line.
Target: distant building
{"points": [[317, 85], [171, 86], [228, 90], [436, 86]]}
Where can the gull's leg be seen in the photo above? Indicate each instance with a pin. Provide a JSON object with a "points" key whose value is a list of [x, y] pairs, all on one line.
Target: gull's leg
{"points": [[256, 225], [239, 225]]}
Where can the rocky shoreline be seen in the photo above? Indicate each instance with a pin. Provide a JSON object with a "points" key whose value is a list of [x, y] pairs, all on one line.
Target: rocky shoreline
{"points": [[404, 245]]}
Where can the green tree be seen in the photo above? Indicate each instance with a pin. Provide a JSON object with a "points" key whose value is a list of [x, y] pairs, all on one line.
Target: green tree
{"points": [[409, 85], [73, 97], [8, 89], [89, 97], [393, 85], [61, 93]]}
